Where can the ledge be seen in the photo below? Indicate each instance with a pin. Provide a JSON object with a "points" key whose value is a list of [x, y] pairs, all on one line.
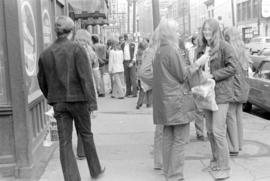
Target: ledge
{"points": [[5, 110]]}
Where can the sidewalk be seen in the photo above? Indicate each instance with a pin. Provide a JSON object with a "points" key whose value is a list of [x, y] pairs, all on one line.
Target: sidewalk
{"points": [[124, 140]]}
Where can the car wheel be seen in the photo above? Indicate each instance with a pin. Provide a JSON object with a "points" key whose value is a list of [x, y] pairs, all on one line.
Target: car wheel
{"points": [[247, 107]]}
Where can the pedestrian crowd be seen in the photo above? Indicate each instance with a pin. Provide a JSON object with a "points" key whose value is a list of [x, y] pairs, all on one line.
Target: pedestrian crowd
{"points": [[205, 83]]}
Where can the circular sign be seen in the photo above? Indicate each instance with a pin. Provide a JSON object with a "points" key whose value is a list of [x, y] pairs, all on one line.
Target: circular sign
{"points": [[47, 28], [29, 38]]}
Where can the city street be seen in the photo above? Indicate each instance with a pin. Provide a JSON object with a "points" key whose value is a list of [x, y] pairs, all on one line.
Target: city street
{"points": [[124, 139]]}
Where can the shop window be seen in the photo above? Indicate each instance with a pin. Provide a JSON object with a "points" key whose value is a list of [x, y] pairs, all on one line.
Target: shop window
{"points": [[248, 9], [239, 12], [3, 85], [255, 9], [244, 11]]}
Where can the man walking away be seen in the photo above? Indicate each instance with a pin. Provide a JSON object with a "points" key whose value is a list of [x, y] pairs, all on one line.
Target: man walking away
{"points": [[65, 78]]}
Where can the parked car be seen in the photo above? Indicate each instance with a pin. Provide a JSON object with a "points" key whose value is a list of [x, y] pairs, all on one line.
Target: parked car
{"points": [[257, 44], [259, 94], [258, 57]]}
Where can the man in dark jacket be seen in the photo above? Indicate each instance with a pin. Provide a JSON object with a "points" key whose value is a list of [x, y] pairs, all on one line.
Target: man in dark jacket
{"points": [[65, 79], [100, 50], [129, 50]]}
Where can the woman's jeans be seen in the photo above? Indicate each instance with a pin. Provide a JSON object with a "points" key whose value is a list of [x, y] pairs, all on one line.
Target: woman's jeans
{"points": [[158, 147], [65, 113], [234, 127], [174, 140], [118, 85], [216, 131]]}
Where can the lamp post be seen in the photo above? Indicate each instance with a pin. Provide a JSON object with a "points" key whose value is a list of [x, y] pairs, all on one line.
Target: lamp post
{"points": [[156, 16]]}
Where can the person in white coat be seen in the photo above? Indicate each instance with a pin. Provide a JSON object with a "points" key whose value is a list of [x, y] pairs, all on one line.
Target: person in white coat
{"points": [[116, 68]]}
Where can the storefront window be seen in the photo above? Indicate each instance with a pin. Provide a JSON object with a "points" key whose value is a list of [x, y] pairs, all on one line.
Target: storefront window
{"points": [[3, 87]]}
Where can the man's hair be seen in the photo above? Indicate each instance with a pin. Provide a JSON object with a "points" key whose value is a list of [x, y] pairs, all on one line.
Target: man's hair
{"points": [[125, 36], [95, 39], [63, 25]]}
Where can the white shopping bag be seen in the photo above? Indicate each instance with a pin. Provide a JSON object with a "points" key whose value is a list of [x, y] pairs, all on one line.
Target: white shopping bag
{"points": [[204, 95]]}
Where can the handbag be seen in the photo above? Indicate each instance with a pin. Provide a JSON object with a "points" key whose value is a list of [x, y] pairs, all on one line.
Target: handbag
{"points": [[196, 78], [204, 95]]}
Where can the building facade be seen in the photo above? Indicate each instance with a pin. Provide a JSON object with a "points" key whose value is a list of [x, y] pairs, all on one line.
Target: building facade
{"points": [[26, 29], [198, 13], [252, 20]]}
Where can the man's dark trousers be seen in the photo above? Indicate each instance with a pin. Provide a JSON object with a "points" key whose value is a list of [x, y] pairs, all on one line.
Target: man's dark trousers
{"points": [[65, 113], [130, 79]]}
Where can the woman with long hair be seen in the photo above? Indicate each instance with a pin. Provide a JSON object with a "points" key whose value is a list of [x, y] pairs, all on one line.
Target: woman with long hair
{"points": [[116, 69], [83, 38], [139, 58], [241, 90], [169, 103], [220, 67]]}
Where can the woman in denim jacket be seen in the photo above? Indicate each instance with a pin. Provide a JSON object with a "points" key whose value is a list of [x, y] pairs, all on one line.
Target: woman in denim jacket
{"points": [[220, 67]]}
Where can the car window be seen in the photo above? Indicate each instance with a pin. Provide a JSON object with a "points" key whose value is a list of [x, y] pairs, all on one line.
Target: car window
{"points": [[267, 40], [264, 72], [256, 40]]}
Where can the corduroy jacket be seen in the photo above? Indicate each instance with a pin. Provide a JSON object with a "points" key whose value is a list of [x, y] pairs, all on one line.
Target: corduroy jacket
{"points": [[65, 74]]}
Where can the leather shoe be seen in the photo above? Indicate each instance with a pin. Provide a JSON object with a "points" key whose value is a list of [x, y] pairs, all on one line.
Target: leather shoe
{"points": [[100, 174]]}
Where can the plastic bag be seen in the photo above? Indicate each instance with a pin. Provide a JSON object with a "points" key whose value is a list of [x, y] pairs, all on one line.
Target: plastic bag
{"points": [[204, 95]]}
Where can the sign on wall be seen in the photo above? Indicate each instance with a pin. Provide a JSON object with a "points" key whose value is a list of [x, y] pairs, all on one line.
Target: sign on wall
{"points": [[47, 28], [265, 8], [29, 38]]}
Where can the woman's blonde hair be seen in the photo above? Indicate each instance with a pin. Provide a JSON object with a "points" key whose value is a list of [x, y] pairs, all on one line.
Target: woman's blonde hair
{"points": [[154, 41], [216, 37], [83, 35], [167, 31], [233, 37]]}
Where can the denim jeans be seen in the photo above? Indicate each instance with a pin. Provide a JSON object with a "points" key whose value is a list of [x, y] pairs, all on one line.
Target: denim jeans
{"points": [[234, 127], [158, 146], [130, 79], [199, 122], [65, 113], [216, 131], [174, 140], [118, 85]]}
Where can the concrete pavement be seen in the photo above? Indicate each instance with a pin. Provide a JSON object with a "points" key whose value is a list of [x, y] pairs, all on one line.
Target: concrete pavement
{"points": [[124, 140]]}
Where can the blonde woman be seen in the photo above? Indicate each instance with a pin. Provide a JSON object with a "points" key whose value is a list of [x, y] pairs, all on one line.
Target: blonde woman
{"points": [[83, 38], [221, 67], [116, 68], [241, 90], [169, 90]]}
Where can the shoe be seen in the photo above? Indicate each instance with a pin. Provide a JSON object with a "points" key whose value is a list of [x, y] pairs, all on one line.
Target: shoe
{"points": [[137, 107], [101, 95], [200, 137], [234, 153], [213, 166], [120, 98], [100, 174], [148, 105], [112, 97], [81, 157], [221, 174]]}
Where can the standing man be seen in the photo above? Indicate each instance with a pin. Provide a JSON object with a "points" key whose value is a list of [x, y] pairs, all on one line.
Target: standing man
{"points": [[65, 78], [129, 50], [100, 50]]}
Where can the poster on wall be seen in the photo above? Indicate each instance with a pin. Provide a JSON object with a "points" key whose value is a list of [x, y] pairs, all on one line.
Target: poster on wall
{"points": [[30, 46], [47, 29]]}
